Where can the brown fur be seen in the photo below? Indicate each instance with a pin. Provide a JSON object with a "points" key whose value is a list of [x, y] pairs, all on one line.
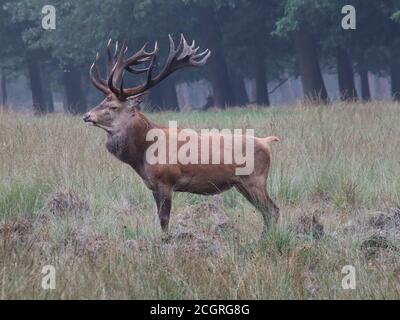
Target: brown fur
{"points": [[128, 143], [127, 128]]}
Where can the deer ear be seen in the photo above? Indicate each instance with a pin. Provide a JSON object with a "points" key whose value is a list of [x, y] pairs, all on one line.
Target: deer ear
{"points": [[135, 101]]}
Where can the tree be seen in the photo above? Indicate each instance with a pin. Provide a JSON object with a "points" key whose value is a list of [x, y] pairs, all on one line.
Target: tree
{"points": [[394, 51], [3, 87], [345, 73], [38, 98], [374, 43], [253, 50], [337, 44], [395, 75], [5, 51], [301, 18], [258, 39], [313, 85], [201, 20], [19, 22], [219, 76]]}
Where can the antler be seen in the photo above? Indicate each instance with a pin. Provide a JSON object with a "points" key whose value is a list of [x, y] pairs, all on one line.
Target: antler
{"points": [[120, 65], [184, 56], [97, 81], [116, 65]]}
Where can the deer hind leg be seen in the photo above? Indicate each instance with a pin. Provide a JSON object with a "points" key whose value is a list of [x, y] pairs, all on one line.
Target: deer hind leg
{"points": [[163, 200], [257, 195]]}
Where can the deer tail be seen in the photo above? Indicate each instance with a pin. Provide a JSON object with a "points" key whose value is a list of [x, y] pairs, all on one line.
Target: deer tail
{"points": [[270, 139]]}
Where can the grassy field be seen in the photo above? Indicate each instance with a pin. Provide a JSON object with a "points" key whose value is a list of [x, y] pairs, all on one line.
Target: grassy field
{"points": [[65, 201]]}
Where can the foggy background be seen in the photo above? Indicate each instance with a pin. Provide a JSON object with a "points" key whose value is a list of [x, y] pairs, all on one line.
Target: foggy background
{"points": [[264, 52]]}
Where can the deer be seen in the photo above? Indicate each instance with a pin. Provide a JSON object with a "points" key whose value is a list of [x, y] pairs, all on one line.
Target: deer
{"points": [[120, 116]]}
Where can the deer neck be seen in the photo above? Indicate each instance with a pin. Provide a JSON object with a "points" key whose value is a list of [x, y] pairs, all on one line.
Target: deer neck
{"points": [[129, 143]]}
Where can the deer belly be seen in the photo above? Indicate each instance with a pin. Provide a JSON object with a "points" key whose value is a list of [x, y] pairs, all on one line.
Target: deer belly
{"points": [[202, 185]]}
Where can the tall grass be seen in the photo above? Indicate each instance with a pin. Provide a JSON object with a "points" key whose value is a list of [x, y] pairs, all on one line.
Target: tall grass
{"points": [[340, 162]]}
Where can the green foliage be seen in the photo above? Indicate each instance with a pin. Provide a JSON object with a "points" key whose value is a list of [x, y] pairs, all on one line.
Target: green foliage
{"points": [[302, 12], [251, 30], [396, 16]]}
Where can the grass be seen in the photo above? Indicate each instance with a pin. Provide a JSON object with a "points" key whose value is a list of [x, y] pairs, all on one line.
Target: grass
{"points": [[65, 201]]}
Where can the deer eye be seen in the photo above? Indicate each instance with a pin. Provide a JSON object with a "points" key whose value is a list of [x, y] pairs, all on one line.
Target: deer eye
{"points": [[113, 108]]}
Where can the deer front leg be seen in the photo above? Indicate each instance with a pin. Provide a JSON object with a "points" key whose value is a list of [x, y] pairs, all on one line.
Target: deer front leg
{"points": [[163, 200]]}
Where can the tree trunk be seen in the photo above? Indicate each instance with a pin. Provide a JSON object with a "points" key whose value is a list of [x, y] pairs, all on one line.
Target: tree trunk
{"points": [[48, 94], [311, 78], [49, 100], [156, 98], [395, 76], [39, 103], [3, 86], [170, 101], [345, 73], [76, 102], [262, 96], [365, 91], [239, 88], [211, 33], [163, 97]]}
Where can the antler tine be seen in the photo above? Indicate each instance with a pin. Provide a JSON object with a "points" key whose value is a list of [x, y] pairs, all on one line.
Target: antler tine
{"points": [[136, 71], [116, 49], [181, 43], [121, 87], [97, 82], [183, 56], [110, 56], [187, 50], [116, 65], [96, 66], [140, 57], [155, 49], [110, 82], [186, 58], [152, 64], [150, 69], [171, 44], [116, 73], [118, 54], [153, 56], [203, 58], [172, 51], [194, 48]]}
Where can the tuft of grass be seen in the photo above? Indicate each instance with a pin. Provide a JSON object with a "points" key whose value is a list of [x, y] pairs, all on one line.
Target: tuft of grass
{"points": [[19, 197], [277, 239]]}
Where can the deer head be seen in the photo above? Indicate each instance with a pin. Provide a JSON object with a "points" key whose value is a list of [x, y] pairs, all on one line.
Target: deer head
{"points": [[122, 103]]}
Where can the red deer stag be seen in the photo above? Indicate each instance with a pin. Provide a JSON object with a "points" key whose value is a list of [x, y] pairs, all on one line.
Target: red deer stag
{"points": [[127, 129]]}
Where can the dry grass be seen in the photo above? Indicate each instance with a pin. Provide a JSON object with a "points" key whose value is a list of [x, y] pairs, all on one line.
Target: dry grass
{"points": [[65, 201]]}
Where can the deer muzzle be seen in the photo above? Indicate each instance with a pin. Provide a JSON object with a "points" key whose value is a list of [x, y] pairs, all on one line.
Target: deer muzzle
{"points": [[87, 117]]}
